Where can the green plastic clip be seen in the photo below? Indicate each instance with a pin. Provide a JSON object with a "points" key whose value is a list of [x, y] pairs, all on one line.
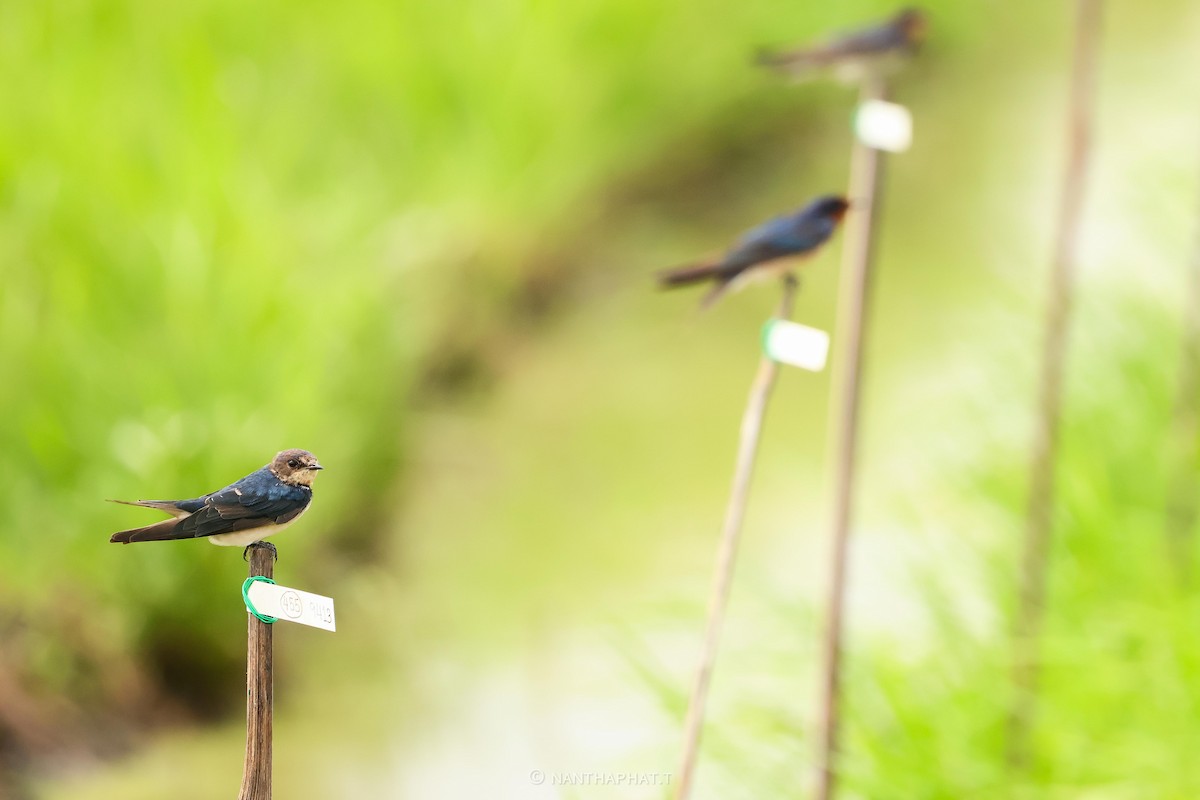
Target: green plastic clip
{"points": [[246, 597], [765, 338]]}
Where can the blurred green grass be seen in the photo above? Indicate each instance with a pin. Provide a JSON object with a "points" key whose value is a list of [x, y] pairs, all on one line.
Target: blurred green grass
{"points": [[228, 229], [928, 684], [1118, 689]]}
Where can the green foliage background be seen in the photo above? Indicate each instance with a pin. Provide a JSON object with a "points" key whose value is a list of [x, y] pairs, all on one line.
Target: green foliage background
{"points": [[229, 228]]}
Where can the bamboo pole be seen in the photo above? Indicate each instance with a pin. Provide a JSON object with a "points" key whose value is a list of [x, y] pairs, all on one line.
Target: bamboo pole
{"points": [[1040, 510], [1185, 429], [752, 420], [256, 773], [866, 171]]}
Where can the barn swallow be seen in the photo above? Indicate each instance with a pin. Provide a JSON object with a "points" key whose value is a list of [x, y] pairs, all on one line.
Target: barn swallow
{"points": [[769, 250], [855, 53], [264, 502]]}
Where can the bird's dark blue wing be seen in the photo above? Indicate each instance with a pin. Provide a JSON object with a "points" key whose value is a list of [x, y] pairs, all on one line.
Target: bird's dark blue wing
{"points": [[783, 236], [256, 500], [876, 39]]}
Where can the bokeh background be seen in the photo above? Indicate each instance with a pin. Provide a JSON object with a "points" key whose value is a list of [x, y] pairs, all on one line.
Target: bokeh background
{"points": [[417, 239]]}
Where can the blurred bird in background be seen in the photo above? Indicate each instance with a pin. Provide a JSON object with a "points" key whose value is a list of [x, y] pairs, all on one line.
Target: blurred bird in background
{"points": [[853, 55], [770, 250], [264, 502]]}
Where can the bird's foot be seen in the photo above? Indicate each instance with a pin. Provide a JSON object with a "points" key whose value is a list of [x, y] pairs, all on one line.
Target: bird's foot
{"points": [[791, 281]]}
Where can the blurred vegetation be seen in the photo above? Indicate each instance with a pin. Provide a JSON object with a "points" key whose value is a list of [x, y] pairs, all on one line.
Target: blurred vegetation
{"points": [[928, 701], [1119, 695], [231, 228]]}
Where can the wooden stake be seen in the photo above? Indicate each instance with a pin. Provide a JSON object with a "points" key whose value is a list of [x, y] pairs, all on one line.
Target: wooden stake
{"points": [[1185, 431], [256, 774], [718, 599], [1040, 511], [866, 170]]}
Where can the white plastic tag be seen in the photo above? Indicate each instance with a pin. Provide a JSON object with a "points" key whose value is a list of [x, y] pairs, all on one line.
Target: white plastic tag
{"points": [[795, 344], [884, 126], [293, 605]]}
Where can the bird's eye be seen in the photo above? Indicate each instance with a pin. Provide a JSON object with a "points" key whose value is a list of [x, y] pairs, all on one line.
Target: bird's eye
{"points": [[293, 463]]}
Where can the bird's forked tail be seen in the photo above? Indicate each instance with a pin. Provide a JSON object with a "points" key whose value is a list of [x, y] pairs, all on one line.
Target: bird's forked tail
{"points": [[686, 276]]}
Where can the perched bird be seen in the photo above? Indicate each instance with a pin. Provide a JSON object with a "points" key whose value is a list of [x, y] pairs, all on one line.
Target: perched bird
{"points": [[771, 249], [264, 502], [854, 54]]}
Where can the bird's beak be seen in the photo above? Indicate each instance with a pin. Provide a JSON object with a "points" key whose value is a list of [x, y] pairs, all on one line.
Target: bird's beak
{"points": [[316, 467]]}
